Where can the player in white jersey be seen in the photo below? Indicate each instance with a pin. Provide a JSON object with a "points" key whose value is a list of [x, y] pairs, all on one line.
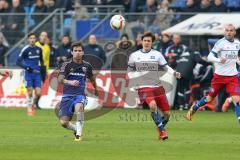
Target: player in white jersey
{"points": [[224, 55], [145, 64]]}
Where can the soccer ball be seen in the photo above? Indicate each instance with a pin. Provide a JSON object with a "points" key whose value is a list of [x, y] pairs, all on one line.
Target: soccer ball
{"points": [[117, 22]]}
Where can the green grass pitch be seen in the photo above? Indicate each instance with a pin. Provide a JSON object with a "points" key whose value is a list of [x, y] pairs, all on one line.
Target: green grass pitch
{"points": [[118, 135]]}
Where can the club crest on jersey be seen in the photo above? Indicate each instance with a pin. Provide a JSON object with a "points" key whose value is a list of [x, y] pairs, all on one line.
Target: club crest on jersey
{"points": [[37, 51], [29, 53], [71, 70], [84, 69], [152, 57]]}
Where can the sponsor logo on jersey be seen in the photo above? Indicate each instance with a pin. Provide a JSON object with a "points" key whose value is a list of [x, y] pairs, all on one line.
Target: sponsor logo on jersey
{"points": [[76, 74], [231, 55]]}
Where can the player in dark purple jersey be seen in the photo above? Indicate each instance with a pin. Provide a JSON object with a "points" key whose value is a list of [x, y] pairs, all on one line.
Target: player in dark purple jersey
{"points": [[73, 76]]}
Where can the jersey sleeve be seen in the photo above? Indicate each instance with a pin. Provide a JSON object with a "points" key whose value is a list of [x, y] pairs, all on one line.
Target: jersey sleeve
{"points": [[20, 60], [217, 48], [131, 61], [89, 72], [22, 53], [162, 60]]}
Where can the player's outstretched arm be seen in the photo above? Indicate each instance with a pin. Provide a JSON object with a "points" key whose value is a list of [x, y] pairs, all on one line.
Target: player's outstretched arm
{"points": [[169, 69]]}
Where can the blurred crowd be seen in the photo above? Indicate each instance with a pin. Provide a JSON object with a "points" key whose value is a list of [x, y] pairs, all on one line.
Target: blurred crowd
{"points": [[154, 15], [158, 13]]}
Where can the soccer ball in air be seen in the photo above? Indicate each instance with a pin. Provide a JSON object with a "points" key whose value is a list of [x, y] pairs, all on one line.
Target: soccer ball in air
{"points": [[117, 22]]}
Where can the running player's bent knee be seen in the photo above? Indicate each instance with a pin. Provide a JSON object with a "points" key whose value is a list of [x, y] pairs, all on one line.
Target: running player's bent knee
{"points": [[64, 123], [153, 106]]}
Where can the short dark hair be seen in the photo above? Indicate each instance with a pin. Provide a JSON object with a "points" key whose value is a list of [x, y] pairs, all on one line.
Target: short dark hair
{"points": [[77, 44], [30, 34], [149, 34]]}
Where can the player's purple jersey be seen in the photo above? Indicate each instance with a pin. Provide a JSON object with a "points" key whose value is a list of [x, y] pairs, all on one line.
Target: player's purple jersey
{"points": [[75, 71]]}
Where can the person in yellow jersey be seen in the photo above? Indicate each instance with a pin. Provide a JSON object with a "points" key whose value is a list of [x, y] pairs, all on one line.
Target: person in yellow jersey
{"points": [[42, 43]]}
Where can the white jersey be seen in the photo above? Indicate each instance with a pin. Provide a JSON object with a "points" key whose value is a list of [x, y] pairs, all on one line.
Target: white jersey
{"points": [[146, 66], [229, 50]]}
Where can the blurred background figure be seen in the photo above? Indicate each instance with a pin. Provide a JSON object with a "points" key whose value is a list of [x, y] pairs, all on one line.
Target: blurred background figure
{"points": [[94, 52], [64, 50], [42, 43], [125, 47], [3, 50]]}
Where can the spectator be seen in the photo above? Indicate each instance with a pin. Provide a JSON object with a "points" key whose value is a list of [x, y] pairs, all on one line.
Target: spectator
{"points": [[138, 41], [175, 50], [150, 7], [127, 5], [42, 43], [164, 16], [15, 23], [53, 53], [51, 5], [4, 8], [165, 42], [137, 5], [28, 3], [218, 6], [205, 6], [80, 12], [157, 40], [39, 7], [3, 51], [64, 50], [191, 6], [67, 4], [94, 53], [124, 48]]}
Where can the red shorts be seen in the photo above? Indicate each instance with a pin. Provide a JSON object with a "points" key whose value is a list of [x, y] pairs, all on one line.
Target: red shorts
{"points": [[158, 94], [230, 82]]}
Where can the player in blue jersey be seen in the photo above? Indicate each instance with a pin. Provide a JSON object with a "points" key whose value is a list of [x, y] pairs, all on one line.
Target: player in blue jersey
{"points": [[73, 76], [29, 59]]}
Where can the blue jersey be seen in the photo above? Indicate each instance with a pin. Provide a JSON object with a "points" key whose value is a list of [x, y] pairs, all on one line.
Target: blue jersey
{"points": [[75, 71], [30, 57]]}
